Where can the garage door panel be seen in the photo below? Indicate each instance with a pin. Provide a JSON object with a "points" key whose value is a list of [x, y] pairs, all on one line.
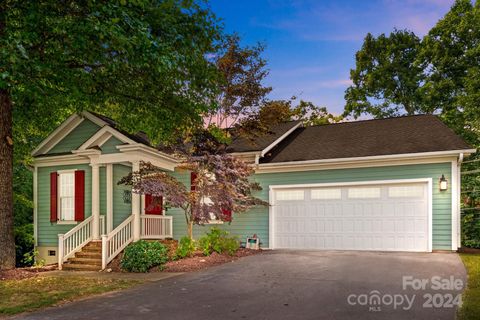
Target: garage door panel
{"points": [[378, 217]]}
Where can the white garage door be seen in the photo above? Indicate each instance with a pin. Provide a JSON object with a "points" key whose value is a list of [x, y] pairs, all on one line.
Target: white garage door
{"points": [[383, 217]]}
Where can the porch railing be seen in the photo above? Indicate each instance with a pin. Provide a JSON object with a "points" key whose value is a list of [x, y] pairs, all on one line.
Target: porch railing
{"points": [[156, 227], [117, 240], [74, 240]]}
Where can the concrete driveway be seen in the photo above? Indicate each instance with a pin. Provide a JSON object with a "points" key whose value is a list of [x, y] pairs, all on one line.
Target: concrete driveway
{"points": [[291, 285]]}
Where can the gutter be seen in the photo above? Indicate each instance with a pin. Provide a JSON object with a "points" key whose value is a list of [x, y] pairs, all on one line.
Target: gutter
{"points": [[369, 158]]}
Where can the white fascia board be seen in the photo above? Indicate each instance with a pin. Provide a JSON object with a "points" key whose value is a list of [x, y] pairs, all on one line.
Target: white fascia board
{"points": [[283, 136], [325, 164], [147, 149], [63, 160], [58, 134]]}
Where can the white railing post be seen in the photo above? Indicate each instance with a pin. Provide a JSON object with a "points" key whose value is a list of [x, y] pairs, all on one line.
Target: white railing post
{"points": [[117, 240], [136, 207], [95, 200], [60, 251], [104, 251]]}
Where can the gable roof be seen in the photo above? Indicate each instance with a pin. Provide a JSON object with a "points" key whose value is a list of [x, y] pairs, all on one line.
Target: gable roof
{"points": [[260, 143], [104, 124], [138, 137], [391, 136]]}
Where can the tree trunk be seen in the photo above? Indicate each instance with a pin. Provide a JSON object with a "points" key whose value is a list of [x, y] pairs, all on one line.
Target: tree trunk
{"points": [[190, 230], [7, 241]]}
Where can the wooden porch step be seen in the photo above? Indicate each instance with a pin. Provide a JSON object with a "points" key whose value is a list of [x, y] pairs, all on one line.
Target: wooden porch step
{"points": [[94, 244], [92, 249], [88, 254], [82, 267], [89, 261]]}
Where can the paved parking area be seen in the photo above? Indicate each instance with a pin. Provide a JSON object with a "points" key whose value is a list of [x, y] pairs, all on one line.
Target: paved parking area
{"points": [[291, 285]]}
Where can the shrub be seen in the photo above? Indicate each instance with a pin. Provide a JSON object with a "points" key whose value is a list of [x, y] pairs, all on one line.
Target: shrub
{"points": [[140, 256], [218, 241], [185, 248], [231, 245], [471, 229], [24, 245]]}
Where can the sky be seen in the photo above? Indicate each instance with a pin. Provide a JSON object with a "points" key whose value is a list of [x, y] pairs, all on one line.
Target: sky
{"points": [[311, 45]]}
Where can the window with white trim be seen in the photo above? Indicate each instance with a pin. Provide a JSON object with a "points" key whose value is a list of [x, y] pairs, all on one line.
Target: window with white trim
{"points": [[326, 194], [66, 195], [415, 191], [364, 193], [207, 200], [290, 195]]}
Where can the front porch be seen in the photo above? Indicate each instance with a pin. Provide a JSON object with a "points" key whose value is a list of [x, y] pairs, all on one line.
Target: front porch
{"points": [[80, 250], [118, 215]]}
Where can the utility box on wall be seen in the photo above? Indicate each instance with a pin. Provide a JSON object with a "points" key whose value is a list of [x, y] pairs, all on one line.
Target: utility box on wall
{"points": [[253, 243]]}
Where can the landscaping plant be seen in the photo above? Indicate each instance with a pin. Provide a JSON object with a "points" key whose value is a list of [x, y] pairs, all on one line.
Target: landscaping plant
{"points": [[142, 255], [217, 240], [186, 248]]}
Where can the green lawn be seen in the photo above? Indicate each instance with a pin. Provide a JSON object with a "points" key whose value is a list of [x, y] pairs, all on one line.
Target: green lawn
{"points": [[29, 294], [471, 298]]}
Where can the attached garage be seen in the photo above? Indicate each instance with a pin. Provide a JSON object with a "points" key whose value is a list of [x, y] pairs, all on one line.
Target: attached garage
{"points": [[391, 215]]}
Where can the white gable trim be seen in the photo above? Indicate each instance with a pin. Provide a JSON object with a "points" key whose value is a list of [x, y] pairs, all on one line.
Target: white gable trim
{"points": [[58, 134], [99, 122], [102, 136], [283, 136]]}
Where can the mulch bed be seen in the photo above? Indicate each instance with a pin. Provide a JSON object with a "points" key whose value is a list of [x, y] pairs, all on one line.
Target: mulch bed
{"points": [[469, 250], [24, 273], [197, 262]]}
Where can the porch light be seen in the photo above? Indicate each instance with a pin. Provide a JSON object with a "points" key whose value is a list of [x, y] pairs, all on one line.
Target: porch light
{"points": [[443, 183]]}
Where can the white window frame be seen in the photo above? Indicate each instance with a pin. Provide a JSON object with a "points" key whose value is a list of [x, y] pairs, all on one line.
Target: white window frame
{"points": [[402, 191], [355, 192], [213, 219], [59, 198], [290, 195], [326, 194]]}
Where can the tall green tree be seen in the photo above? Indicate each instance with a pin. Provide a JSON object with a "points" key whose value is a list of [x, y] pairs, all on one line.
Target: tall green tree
{"points": [[386, 80], [403, 74], [143, 62]]}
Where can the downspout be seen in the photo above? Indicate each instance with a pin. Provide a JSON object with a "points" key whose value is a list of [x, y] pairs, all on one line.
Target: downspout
{"points": [[459, 191]]}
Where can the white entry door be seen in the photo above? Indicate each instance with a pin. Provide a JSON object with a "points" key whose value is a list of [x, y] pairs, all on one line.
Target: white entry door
{"points": [[383, 217]]}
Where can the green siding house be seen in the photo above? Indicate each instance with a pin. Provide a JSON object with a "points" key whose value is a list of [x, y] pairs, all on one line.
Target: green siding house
{"points": [[383, 185]]}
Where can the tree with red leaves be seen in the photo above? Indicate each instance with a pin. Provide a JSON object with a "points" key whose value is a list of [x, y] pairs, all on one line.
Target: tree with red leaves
{"points": [[222, 186]]}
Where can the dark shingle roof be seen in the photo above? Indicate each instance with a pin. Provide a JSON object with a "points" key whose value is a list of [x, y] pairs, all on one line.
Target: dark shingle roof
{"points": [[245, 144], [408, 134]]}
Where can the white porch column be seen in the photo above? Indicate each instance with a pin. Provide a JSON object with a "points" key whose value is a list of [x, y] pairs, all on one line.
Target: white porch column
{"points": [[95, 201], [136, 207], [109, 177]]}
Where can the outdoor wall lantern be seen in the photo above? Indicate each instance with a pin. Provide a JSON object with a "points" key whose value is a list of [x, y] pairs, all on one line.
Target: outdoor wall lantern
{"points": [[443, 183]]}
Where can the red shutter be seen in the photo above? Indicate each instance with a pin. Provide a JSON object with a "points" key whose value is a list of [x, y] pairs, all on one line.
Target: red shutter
{"points": [[193, 178], [53, 197], [149, 208], [79, 195], [228, 214]]}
